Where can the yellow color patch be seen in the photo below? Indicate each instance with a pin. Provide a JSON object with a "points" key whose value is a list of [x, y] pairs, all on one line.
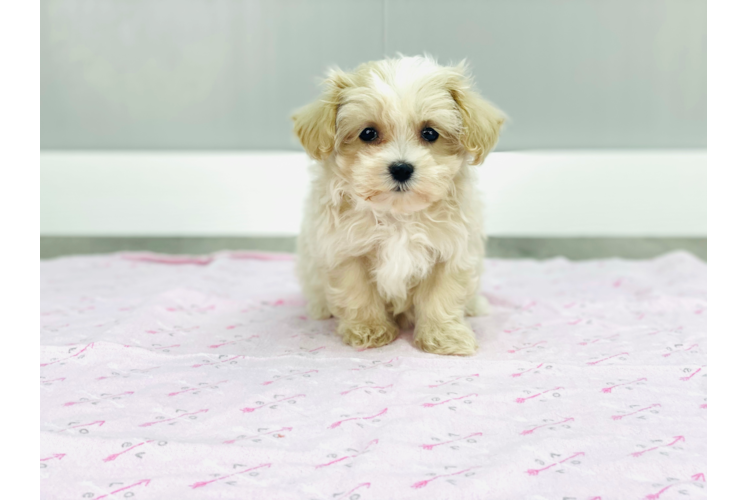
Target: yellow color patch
{"points": [[712, 399]]}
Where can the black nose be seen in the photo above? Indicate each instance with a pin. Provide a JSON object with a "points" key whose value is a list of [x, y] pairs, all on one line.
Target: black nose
{"points": [[401, 172]]}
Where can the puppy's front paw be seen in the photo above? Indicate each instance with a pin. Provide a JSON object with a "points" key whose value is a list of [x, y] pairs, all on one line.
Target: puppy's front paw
{"points": [[449, 338], [368, 334]]}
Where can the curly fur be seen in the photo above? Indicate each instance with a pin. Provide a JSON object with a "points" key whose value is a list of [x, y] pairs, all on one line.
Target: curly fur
{"points": [[379, 258]]}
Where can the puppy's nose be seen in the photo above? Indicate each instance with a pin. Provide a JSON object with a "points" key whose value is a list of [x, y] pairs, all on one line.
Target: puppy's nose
{"points": [[401, 172]]}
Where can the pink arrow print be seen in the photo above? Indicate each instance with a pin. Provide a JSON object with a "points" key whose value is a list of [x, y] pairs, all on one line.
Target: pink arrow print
{"points": [[250, 409], [148, 424], [599, 339], [366, 387], [676, 440], [218, 362], [695, 478], [455, 379], [512, 351], [58, 456], [337, 424], [206, 483], [282, 429], [685, 379], [134, 370], [535, 472], [89, 346], [99, 422], [375, 365], [268, 382], [655, 496], [366, 448], [421, 484], [345, 495], [153, 348], [605, 359], [191, 389], [431, 405], [518, 374], [144, 482], [619, 417], [216, 346], [530, 431], [608, 390], [114, 457], [679, 350], [522, 400], [113, 396], [432, 446], [53, 380]]}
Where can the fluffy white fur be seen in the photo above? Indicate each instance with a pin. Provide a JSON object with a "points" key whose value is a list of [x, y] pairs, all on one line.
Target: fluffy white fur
{"points": [[379, 258]]}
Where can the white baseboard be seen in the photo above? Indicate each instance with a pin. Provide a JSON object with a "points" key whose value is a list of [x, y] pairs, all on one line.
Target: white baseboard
{"points": [[548, 193]]}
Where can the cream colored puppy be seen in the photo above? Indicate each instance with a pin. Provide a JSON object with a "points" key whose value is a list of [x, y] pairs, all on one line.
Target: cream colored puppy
{"points": [[392, 233]]}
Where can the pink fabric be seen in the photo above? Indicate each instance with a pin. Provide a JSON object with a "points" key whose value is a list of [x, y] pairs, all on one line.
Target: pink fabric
{"points": [[201, 259], [207, 380]]}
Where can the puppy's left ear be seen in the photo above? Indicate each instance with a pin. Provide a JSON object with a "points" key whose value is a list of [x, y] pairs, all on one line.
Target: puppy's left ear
{"points": [[314, 124], [481, 120]]}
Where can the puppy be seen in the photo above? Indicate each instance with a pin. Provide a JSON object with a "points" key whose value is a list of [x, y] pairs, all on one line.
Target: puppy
{"points": [[392, 233]]}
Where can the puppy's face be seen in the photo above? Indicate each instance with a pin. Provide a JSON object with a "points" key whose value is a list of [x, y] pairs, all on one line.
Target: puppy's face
{"points": [[398, 131]]}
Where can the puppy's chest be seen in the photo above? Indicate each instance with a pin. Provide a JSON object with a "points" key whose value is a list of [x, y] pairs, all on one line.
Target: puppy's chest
{"points": [[401, 258]]}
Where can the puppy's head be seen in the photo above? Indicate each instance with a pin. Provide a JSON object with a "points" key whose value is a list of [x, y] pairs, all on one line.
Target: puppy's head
{"points": [[398, 131]]}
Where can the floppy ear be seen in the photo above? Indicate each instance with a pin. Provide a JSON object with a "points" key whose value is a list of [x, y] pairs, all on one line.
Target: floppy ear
{"points": [[481, 120], [314, 124]]}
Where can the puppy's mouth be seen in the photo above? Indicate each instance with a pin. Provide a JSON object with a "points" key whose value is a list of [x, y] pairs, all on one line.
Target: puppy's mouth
{"points": [[401, 188]]}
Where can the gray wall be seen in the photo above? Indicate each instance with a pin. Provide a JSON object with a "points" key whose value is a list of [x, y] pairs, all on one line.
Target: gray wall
{"points": [[226, 74]]}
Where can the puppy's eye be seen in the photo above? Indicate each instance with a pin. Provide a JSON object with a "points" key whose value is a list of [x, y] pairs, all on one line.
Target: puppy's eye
{"points": [[429, 134], [368, 134]]}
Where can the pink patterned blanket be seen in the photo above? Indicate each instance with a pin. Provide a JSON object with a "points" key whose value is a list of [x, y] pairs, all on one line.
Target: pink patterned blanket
{"points": [[198, 378]]}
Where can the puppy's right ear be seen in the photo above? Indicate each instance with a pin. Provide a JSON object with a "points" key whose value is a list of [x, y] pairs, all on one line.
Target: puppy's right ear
{"points": [[314, 124]]}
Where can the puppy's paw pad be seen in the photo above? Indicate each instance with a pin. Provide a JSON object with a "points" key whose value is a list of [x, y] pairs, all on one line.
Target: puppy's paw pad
{"points": [[368, 335], [455, 338]]}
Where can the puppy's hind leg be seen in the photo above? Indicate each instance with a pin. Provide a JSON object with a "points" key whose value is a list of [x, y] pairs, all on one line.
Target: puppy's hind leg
{"points": [[477, 305], [313, 285], [316, 306]]}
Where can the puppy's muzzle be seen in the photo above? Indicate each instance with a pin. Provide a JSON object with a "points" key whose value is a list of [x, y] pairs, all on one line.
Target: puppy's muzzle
{"points": [[401, 172]]}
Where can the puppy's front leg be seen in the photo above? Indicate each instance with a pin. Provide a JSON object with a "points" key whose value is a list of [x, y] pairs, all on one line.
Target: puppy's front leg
{"points": [[440, 312], [352, 297]]}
